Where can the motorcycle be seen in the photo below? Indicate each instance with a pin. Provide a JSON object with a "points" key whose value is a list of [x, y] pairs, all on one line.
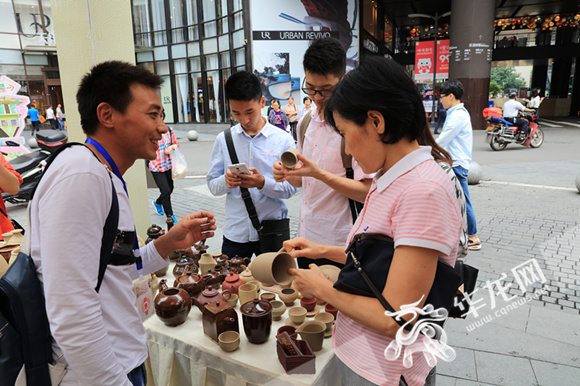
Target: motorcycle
{"points": [[30, 166], [500, 132]]}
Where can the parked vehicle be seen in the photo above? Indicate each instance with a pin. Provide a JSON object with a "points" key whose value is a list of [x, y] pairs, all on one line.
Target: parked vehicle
{"points": [[30, 166], [500, 132]]}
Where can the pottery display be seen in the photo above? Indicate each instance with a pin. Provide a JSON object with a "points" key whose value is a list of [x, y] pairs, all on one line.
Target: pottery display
{"points": [[278, 309], [237, 262], [272, 267], [218, 317], [313, 332], [184, 261], [172, 305], [210, 295], [257, 320], [246, 275], [247, 292], [233, 300], [212, 279], [206, 263], [308, 303], [197, 250], [229, 340], [232, 283], [193, 283], [221, 259], [154, 232], [288, 296], [297, 314]]}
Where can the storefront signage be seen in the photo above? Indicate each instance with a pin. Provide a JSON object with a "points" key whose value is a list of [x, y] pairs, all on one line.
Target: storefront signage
{"points": [[424, 60], [13, 112], [371, 46], [293, 35]]}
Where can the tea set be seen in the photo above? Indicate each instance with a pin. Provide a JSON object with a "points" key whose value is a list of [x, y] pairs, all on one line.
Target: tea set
{"points": [[241, 280]]}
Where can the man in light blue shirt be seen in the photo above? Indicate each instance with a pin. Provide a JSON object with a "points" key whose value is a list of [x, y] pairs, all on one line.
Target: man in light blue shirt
{"points": [[457, 138], [258, 144]]}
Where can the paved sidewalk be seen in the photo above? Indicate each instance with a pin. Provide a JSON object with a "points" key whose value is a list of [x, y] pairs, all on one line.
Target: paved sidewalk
{"points": [[527, 209]]}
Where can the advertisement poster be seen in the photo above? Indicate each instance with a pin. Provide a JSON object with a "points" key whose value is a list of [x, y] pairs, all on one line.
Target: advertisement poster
{"points": [[281, 35], [13, 112], [424, 60]]}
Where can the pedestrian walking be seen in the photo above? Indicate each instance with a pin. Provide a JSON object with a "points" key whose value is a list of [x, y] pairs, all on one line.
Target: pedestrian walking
{"points": [[161, 169], [50, 116]]}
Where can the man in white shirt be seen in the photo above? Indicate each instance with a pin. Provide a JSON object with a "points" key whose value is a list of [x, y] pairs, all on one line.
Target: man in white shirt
{"points": [[325, 215], [59, 117], [511, 110], [99, 334], [50, 116]]}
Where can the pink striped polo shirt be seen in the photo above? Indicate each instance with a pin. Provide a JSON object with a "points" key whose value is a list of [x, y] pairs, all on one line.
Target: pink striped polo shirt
{"points": [[415, 203]]}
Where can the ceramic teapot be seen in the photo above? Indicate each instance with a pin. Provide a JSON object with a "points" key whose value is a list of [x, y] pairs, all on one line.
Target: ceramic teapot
{"points": [[172, 305], [181, 264], [191, 282], [221, 260], [206, 263], [219, 317], [154, 232], [232, 283], [210, 295], [212, 279], [246, 276], [198, 249], [237, 262]]}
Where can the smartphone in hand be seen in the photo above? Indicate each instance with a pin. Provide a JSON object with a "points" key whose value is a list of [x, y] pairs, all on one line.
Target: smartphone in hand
{"points": [[240, 168]]}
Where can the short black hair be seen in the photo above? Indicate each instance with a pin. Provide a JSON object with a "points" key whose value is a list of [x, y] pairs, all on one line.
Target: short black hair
{"points": [[110, 82], [452, 86], [306, 98], [243, 86], [383, 85], [325, 56]]}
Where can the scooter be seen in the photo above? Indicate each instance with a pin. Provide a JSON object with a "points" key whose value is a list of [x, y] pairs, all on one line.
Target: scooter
{"points": [[501, 132], [30, 166]]}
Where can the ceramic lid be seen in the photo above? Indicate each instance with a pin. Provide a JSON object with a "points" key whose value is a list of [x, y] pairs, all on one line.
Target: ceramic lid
{"points": [[188, 278], [209, 292], [232, 278], [256, 308]]}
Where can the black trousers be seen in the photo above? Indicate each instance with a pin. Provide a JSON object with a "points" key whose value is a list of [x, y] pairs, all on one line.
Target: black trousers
{"points": [[231, 248], [164, 182]]}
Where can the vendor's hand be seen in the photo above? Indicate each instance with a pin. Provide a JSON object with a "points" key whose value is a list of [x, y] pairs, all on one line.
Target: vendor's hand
{"points": [[303, 248], [310, 282], [254, 180], [188, 231], [232, 180]]}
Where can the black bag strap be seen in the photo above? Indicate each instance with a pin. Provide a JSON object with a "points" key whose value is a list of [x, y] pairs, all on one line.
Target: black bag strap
{"points": [[111, 223], [350, 252], [245, 192]]}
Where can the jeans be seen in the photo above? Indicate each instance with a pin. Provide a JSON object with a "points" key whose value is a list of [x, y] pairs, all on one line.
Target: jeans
{"points": [[138, 376], [441, 118], [60, 124], [51, 120], [519, 122], [231, 248], [350, 378], [35, 126], [461, 174], [164, 182]]}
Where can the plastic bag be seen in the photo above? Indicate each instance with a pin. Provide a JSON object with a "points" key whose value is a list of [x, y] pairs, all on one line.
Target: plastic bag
{"points": [[179, 169]]}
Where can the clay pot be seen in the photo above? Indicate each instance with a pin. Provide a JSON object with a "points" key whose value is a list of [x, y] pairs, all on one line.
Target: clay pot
{"points": [[212, 279], [272, 267], [331, 310], [232, 283], [197, 251], [268, 296], [308, 303], [220, 259], [172, 305], [288, 295], [291, 330], [297, 314], [181, 264], [154, 232], [257, 320], [210, 295], [237, 262], [206, 263], [313, 332], [278, 309], [192, 283], [229, 340], [246, 275]]}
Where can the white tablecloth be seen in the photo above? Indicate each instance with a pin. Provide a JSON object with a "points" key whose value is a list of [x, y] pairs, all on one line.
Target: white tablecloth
{"points": [[183, 355]]}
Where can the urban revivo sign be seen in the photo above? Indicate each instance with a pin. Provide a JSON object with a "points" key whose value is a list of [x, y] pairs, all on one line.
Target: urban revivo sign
{"points": [[293, 35]]}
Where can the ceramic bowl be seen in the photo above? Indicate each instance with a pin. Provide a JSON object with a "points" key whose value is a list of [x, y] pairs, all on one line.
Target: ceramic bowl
{"points": [[291, 330], [331, 310], [229, 340], [297, 314], [288, 295], [308, 303], [268, 296], [233, 300], [278, 310], [326, 318], [313, 332]]}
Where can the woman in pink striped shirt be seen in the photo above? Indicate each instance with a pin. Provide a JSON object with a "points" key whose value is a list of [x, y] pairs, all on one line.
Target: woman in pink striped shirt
{"points": [[379, 111]]}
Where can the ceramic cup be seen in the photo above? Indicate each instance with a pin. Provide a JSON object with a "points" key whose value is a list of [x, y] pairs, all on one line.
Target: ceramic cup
{"points": [[331, 310], [312, 332], [326, 318], [272, 267], [289, 158], [233, 300], [288, 295], [229, 340], [297, 314], [291, 330], [247, 292], [278, 309], [308, 303], [268, 296]]}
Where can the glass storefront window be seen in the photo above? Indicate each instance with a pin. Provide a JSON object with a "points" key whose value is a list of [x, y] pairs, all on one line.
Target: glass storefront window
{"points": [[225, 60], [208, 10], [178, 51], [210, 28], [210, 46], [193, 32], [237, 5], [195, 64], [224, 42], [10, 57], [211, 62], [239, 38], [238, 20], [162, 68], [193, 49], [240, 57], [160, 53], [31, 59], [7, 20], [141, 23], [145, 56], [10, 41]]}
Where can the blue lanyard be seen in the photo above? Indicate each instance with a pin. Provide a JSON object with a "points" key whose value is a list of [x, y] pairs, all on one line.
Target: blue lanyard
{"points": [[113, 166]]}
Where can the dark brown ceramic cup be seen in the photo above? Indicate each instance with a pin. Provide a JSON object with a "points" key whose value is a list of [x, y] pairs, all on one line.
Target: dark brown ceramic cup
{"points": [[257, 320]]}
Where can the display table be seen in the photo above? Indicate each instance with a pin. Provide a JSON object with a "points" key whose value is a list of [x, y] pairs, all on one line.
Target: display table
{"points": [[183, 355]]}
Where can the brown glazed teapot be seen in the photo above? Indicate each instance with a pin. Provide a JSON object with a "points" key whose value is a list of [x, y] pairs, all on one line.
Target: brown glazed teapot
{"points": [[172, 305], [181, 264], [154, 232], [219, 317], [212, 279], [237, 262], [191, 282], [210, 295], [221, 260]]}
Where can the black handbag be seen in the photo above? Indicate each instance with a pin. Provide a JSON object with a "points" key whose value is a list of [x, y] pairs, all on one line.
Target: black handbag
{"points": [[272, 233], [376, 252]]}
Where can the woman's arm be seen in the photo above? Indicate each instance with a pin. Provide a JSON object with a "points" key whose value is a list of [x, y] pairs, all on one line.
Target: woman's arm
{"points": [[10, 180]]}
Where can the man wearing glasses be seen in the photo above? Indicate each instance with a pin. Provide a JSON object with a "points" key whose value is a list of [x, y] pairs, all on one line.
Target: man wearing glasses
{"points": [[325, 215]]}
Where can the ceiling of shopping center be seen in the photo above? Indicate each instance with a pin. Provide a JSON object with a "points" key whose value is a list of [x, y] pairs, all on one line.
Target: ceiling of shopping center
{"points": [[399, 9]]}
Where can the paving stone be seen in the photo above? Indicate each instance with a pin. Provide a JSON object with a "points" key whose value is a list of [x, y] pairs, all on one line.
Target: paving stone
{"points": [[554, 374], [462, 367], [520, 370]]}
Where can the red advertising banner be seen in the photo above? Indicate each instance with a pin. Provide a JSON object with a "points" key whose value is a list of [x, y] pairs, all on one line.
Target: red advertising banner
{"points": [[424, 60]]}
